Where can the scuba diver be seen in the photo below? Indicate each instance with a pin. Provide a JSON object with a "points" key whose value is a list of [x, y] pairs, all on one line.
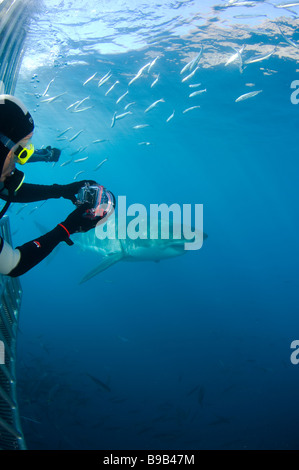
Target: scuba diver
{"points": [[16, 130]]}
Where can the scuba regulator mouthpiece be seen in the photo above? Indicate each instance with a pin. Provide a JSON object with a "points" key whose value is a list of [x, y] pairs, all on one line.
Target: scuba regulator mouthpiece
{"points": [[10, 186], [14, 181]]}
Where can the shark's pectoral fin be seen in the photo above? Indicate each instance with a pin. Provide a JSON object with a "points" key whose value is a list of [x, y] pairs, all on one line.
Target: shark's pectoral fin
{"points": [[105, 264]]}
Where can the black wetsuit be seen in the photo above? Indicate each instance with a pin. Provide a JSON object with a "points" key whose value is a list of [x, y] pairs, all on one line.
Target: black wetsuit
{"points": [[14, 262]]}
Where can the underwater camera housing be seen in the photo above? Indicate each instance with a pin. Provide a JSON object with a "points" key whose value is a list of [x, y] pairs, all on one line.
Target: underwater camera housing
{"points": [[100, 200]]}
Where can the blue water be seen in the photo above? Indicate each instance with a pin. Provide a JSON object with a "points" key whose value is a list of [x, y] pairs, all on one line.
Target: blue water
{"points": [[195, 349]]}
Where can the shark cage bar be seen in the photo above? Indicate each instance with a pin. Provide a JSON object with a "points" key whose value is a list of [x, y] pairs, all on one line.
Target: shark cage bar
{"points": [[14, 23], [11, 436]]}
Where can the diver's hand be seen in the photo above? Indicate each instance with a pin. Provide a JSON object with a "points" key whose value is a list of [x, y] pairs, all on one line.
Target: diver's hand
{"points": [[69, 191], [76, 222], [54, 154]]}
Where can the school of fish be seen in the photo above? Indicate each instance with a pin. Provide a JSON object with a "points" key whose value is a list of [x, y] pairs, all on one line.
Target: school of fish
{"points": [[120, 92]]}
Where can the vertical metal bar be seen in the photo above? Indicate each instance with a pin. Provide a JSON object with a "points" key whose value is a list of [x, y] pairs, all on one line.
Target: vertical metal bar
{"points": [[11, 436], [14, 23]]}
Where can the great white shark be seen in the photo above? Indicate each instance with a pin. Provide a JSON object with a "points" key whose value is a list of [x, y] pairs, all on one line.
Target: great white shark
{"points": [[112, 251]]}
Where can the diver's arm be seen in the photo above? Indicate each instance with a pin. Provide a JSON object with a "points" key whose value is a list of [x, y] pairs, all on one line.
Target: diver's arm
{"points": [[19, 261], [48, 154], [39, 192]]}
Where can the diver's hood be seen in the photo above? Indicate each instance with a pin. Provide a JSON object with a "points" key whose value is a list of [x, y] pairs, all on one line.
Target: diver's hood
{"points": [[15, 123]]}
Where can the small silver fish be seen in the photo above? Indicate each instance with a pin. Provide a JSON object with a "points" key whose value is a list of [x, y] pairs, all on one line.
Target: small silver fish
{"points": [[80, 160], [196, 93], [82, 101], [81, 149], [140, 126], [260, 58], [292, 43], [79, 173], [72, 105], [113, 120], [153, 105], [104, 77], [190, 109], [104, 80], [121, 116], [33, 210], [54, 98], [248, 95], [194, 85], [190, 75], [269, 70], [64, 132], [111, 88], [46, 90], [235, 56], [89, 79], [155, 81], [100, 164], [76, 151], [191, 64], [186, 67], [99, 141], [121, 97], [153, 63], [287, 5], [67, 162], [144, 143], [31, 420], [144, 67], [129, 104], [139, 73], [82, 109], [133, 79], [170, 117], [20, 210], [242, 4], [196, 60], [76, 135], [245, 17]]}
